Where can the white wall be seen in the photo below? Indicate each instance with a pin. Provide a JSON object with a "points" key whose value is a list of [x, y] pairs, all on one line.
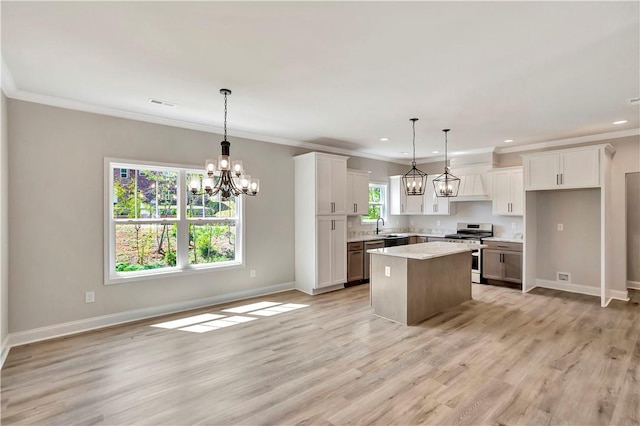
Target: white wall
{"points": [[56, 214], [633, 227]]}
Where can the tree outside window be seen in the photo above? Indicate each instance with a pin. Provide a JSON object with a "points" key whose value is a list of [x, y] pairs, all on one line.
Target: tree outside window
{"points": [[377, 203]]}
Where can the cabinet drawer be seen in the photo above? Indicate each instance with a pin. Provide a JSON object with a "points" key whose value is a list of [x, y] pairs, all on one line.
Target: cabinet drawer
{"points": [[498, 245], [357, 245]]}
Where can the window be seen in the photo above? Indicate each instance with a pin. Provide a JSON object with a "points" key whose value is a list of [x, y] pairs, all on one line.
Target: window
{"points": [[377, 203], [156, 226]]}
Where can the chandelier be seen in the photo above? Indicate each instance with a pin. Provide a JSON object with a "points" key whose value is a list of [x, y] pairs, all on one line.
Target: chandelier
{"points": [[223, 176], [414, 180], [446, 185]]}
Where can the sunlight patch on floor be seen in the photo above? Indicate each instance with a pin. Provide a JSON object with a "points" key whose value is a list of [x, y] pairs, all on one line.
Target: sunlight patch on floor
{"points": [[208, 322]]}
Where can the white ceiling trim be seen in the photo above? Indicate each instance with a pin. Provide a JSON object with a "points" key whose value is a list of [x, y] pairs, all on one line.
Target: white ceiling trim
{"points": [[571, 141], [12, 91]]}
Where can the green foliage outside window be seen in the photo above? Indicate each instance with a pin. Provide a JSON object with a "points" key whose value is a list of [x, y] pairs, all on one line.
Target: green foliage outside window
{"points": [[377, 201]]}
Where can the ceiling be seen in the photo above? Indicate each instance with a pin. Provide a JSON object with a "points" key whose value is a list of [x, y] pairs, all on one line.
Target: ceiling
{"points": [[338, 74]]}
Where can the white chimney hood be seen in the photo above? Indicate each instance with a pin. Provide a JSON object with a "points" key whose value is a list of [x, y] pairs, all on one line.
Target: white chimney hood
{"points": [[472, 188]]}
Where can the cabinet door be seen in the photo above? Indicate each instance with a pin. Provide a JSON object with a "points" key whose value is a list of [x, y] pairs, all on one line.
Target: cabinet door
{"points": [[580, 168], [517, 193], [324, 251], [542, 171], [324, 185], [512, 266], [434, 205], [396, 196], [501, 193], [339, 185], [415, 203], [361, 193], [355, 266], [491, 265], [339, 251]]}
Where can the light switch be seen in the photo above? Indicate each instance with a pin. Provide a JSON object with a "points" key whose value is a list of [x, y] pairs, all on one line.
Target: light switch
{"points": [[560, 227], [387, 271]]}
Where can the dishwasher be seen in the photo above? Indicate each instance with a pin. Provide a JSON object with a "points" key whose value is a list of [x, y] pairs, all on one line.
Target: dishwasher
{"points": [[369, 245]]}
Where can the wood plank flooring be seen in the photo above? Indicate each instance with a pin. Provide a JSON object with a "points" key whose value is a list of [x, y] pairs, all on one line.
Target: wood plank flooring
{"points": [[504, 358]]}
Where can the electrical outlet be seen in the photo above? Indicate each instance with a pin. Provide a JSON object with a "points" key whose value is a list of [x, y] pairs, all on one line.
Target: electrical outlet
{"points": [[252, 273], [564, 276], [349, 224], [89, 297], [387, 271], [560, 227], [411, 223], [437, 223], [513, 225]]}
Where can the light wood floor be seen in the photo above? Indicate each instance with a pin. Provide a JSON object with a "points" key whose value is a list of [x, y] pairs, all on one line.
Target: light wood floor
{"points": [[504, 358]]}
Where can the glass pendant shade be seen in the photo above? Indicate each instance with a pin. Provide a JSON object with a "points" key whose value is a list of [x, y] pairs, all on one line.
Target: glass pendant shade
{"points": [[446, 185], [210, 167], [415, 179]]}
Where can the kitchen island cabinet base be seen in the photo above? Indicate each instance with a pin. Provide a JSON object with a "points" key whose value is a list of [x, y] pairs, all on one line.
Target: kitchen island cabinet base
{"points": [[418, 289]]}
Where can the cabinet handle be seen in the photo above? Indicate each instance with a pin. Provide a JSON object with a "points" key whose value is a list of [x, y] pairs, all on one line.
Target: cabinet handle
{"points": [[557, 179], [355, 208], [333, 224], [421, 207], [401, 208]]}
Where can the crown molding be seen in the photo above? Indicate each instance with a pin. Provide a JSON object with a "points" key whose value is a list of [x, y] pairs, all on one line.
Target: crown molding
{"points": [[570, 141]]}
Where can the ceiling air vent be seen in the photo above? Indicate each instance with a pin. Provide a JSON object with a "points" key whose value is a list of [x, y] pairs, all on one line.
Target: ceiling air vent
{"points": [[635, 101], [163, 103]]}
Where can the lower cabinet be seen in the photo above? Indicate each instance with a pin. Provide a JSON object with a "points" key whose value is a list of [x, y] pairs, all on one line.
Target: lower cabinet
{"points": [[502, 261], [355, 261]]}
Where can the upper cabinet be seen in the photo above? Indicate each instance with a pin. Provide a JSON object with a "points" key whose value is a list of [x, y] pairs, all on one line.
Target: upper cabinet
{"points": [[357, 192], [564, 169], [399, 202], [508, 192], [435, 205], [331, 183]]}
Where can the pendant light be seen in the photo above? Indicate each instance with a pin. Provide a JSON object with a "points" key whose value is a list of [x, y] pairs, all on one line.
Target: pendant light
{"points": [[224, 176], [414, 180], [446, 185]]}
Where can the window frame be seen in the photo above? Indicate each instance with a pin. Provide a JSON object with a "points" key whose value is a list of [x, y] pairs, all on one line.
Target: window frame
{"points": [[111, 276], [384, 204]]}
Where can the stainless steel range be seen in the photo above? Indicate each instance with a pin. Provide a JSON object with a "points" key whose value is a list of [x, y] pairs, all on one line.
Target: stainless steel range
{"points": [[472, 233]]}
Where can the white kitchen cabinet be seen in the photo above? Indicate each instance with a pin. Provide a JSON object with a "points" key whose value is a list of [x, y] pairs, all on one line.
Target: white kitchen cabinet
{"points": [[508, 192], [435, 206], [399, 202], [357, 192], [331, 266], [320, 222], [564, 169], [330, 183]]}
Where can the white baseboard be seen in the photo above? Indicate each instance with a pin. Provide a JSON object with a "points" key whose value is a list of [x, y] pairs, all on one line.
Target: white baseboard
{"points": [[73, 327], [633, 284], [570, 287], [4, 350], [582, 289]]}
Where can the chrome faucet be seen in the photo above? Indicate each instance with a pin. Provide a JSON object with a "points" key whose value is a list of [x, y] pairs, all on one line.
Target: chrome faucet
{"points": [[377, 222]]}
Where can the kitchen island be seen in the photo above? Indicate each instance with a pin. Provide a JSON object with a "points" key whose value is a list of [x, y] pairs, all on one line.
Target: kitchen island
{"points": [[411, 283]]}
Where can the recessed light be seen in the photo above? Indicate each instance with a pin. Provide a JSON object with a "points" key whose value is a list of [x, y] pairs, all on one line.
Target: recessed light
{"points": [[435, 152], [620, 122], [162, 103], [508, 140], [384, 139], [404, 153]]}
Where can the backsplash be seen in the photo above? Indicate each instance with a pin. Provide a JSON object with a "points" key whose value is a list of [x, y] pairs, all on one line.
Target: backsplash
{"points": [[466, 211]]}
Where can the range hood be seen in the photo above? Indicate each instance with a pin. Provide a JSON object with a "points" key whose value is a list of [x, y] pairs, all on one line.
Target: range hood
{"points": [[472, 188]]}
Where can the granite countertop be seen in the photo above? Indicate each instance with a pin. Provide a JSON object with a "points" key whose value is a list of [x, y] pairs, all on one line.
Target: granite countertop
{"points": [[503, 240], [399, 234], [425, 251]]}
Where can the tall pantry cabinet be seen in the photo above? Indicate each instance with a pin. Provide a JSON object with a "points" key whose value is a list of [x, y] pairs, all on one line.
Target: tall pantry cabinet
{"points": [[320, 222]]}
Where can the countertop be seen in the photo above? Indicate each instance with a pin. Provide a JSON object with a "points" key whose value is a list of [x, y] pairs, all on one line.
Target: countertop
{"points": [[382, 236], [425, 251], [503, 240]]}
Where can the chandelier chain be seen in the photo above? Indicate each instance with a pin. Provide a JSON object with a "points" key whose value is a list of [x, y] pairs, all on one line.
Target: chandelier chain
{"points": [[225, 116]]}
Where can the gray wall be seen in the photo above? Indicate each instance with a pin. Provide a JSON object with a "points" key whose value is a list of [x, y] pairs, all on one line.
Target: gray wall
{"points": [[576, 249], [56, 213], [4, 224], [633, 227]]}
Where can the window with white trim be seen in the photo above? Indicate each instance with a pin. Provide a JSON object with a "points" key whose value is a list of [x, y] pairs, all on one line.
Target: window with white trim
{"points": [[377, 203], [157, 226]]}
